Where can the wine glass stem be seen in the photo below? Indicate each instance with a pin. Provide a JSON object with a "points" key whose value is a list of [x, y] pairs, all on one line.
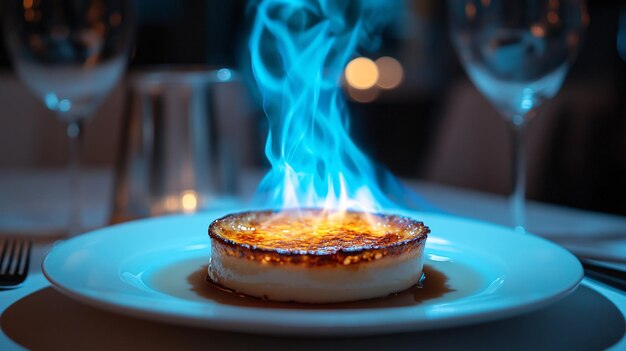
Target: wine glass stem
{"points": [[74, 133], [518, 171]]}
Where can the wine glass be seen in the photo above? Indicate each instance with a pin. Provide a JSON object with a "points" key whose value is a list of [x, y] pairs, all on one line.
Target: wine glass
{"points": [[70, 53], [517, 52]]}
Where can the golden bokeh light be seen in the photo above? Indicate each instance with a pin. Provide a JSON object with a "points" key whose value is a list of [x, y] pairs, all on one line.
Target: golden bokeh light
{"points": [[361, 73], [391, 72], [189, 201]]}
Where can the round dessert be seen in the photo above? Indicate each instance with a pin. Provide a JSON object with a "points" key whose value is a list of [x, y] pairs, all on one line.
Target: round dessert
{"points": [[316, 256]]}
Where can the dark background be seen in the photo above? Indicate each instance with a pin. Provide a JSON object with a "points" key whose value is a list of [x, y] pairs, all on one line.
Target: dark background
{"points": [[582, 165]]}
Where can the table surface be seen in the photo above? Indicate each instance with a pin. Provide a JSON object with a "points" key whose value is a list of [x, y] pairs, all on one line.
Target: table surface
{"points": [[36, 316]]}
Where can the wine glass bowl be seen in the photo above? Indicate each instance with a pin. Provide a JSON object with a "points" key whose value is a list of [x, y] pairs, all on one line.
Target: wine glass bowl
{"points": [[517, 53], [70, 53]]}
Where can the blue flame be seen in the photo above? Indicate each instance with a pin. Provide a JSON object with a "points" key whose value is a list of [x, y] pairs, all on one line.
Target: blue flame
{"points": [[299, 49]]}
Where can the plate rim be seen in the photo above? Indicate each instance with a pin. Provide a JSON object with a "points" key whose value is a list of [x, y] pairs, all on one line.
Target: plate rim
{"points": [[276, 328]]}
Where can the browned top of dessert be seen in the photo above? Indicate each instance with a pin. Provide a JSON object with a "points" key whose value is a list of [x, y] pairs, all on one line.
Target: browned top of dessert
{"points": [[317, 232]]}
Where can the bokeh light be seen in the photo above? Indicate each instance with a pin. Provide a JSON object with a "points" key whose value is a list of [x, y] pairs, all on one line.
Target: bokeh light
{"points": [[391, 72], [224, 74], [189, 201], [361, 73]]}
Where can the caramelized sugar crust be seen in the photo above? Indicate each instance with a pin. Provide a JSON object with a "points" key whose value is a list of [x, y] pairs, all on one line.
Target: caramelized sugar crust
{"points": [[316, 237]]}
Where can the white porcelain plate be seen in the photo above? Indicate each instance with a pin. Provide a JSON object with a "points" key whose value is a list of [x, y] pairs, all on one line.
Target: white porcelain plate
{"points": [[155, 269]]}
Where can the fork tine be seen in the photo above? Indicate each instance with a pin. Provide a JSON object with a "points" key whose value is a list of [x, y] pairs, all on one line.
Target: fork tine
{"points": [[4, 252], [11, 254], [15, 253], [20, 253]]}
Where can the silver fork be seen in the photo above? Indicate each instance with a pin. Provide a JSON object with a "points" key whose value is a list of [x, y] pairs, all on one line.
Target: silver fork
{"points": [[14, 262]]}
